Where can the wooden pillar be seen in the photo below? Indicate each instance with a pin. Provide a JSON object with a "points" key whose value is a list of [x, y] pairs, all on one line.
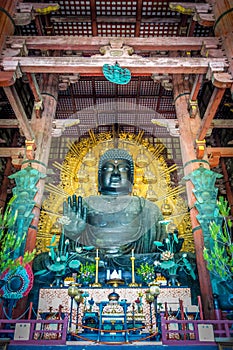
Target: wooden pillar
{"points": [[7, 26], [42, 128], [223, 17], [7, 172], [223, 28], [188, 128]]}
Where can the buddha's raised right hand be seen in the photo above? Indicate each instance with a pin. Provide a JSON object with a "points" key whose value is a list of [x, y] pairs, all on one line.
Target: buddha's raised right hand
{"points": [[77, 214]]}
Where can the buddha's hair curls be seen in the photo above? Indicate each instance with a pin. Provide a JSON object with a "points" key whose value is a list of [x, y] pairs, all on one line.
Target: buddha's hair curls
{"points": [[116, 153]]}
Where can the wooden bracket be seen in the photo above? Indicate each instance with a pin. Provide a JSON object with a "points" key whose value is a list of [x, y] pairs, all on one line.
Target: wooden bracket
{"points": [[201, 12], [171, 125], [164, 79], [214, 159], [26, 12], [222, 80], [15, 153], [219, 78], [30, 149], [66, 80], [116, 49], [200, 148], [193, 108], [7, 78], [204, 19]]}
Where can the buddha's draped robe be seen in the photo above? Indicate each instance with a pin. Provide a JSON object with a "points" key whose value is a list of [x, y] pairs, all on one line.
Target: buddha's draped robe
{"points": [[120, 223]]}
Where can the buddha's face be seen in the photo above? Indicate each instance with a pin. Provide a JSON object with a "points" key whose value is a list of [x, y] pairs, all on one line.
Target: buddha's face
{"points": [[115, 177]]}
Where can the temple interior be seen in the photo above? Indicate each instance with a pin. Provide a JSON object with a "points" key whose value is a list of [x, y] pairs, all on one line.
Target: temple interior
{"points": [[116, 174]]}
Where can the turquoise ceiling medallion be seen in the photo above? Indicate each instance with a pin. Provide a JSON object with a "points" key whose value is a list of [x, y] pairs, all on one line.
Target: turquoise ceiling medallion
{"points": [[116, 74]]}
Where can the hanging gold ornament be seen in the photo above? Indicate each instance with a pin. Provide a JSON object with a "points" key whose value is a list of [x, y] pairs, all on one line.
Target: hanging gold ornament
{"points": [[166, 208], [149, 177], [151, 195], [141, 160]]}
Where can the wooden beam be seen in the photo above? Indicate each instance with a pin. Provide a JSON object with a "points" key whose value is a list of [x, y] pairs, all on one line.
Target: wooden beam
{"points": [[93, 18], [218, 123], [93, 65], [17, 107], [36, 93], [225, 152], [7, 78], [222, 124], [200, 12], [9, 123], [193, 103], [196, 87], [78, 43], [26, 12], [114, 19], [210, 112], [39, 8], [6, 152], [189, 8], [138, 18]]}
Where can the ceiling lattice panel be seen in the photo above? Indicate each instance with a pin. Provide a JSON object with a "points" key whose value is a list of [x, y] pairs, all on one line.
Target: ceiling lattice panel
{"points": [[155, 29], [107, 29], [93, 99], [75, 8], [97, 102], [83, 29], [125, 18], [116, 8]]}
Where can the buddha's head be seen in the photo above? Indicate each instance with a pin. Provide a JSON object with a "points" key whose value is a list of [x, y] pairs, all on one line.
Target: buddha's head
{"points": [[116, 172]]}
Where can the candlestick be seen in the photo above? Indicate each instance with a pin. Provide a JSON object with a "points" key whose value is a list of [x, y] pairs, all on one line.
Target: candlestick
{"points": [[132, 253], [96, 284], [133, 283], [97, 253]]}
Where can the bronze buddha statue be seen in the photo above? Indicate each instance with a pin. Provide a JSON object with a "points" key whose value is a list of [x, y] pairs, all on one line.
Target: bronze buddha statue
{"points": [[114, 221]]}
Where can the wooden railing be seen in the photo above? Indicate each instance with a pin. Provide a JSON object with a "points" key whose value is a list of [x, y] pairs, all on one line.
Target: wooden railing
{"points": [[174, 332], [36, 331], [195, 332]]}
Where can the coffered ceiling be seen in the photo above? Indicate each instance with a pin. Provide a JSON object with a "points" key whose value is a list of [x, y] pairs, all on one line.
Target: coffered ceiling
{"points": [[154, 39]]}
